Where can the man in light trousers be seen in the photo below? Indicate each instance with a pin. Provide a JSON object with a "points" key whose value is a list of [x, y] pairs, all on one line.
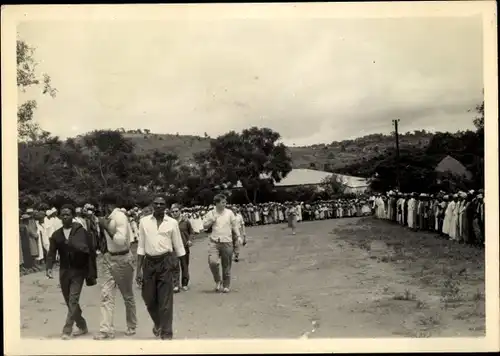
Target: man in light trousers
{"points": [[225, 233], [117, 272]]}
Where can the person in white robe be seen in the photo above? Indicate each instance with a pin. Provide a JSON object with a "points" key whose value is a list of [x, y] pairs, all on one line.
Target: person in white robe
{"points": [[454, 218], [412, 206], [448, 216], [299, 212]]}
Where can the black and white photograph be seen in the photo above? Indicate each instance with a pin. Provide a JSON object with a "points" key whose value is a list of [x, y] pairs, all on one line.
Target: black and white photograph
{"points": [[251, 175]]}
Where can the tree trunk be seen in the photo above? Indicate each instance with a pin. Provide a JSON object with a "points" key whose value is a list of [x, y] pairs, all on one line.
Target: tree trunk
{"points": [[246, 195], [255, 196]]}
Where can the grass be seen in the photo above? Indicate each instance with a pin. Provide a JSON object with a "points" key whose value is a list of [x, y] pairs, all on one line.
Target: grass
{"points": [[407, 295], [451, 275]]}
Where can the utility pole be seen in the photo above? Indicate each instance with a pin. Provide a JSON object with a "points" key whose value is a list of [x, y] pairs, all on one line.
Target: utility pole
{"points": [[395, 122]]}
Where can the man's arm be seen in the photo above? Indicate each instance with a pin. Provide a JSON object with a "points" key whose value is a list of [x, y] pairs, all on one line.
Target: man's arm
{"points": [[51, 255], [234, 227], [208, 220], [122, 229], [177, 243], [141, 245], [190, 232]]}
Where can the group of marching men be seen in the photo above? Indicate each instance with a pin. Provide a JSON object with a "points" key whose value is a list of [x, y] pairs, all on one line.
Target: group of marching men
{"points": [[163, 235], [458, 216]]}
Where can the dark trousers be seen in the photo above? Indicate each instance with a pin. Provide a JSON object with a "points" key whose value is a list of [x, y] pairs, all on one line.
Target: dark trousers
{"points": [[158, 291], [181, 273], [71, 281]]}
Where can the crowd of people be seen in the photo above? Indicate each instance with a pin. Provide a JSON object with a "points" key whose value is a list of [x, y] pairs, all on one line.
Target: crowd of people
{"points": [[458, 216], [73, 237], [37, 225]]}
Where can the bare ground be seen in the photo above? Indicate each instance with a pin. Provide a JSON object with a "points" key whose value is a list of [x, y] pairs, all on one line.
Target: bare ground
{"points": [[356, 277]]}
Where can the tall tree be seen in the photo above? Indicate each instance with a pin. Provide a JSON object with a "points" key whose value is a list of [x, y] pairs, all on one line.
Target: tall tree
{"points": [[247, 158], [27, 77]]}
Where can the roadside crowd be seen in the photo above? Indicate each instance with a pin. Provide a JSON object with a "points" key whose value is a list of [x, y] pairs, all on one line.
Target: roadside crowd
{"points": [[37, 225], [458, 217]]}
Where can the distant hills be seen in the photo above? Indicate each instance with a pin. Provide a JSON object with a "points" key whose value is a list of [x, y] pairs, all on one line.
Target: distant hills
{"points": [[330, 157]]}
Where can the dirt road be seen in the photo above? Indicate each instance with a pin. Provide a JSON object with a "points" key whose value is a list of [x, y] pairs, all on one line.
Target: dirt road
{"points": [[344, 278]]}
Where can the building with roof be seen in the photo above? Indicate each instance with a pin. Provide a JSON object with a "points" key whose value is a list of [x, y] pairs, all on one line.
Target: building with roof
{"points": [[314, 178], [450, 165]]}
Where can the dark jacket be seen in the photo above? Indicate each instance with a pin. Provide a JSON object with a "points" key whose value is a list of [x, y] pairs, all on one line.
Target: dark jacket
{"points": [[77, 252], [186, 231]]}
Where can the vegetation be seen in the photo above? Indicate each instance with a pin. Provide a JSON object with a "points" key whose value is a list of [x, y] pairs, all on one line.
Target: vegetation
{"points": [[191, 169]]}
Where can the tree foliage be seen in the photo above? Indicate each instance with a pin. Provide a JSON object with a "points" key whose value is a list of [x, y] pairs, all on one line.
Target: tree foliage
{"points": [[27, 77], [247, 157], [417, 165]]}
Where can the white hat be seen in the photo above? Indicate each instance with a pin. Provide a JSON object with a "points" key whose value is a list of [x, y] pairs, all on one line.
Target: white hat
{"points": [[48, 212], [29, 210]]}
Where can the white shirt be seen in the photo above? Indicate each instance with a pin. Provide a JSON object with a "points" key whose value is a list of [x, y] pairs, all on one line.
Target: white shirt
{"points": [[121, 238], [66, 233], [224, 225], [157, 240]]}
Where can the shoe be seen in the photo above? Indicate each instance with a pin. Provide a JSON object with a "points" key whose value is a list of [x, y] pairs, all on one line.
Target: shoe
{"points": [[236, 259], [66, 337], [104, 336], [80, 332], [225, 290], [166, 337], [218, 286], [130, 332], [185, 288], [176, 290], [156, 331]]}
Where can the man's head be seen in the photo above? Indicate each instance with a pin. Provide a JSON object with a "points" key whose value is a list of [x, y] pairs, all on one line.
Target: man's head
{"points": [[220, 201], [109, 203], [159, 205], [175, 210], [66, 215]]}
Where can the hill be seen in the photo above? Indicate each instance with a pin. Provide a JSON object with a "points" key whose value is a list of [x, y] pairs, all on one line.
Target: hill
{"points": [[330, 157]]}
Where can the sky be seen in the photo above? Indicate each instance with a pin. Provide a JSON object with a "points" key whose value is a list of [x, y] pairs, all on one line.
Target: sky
{"points": [[312, 80]]}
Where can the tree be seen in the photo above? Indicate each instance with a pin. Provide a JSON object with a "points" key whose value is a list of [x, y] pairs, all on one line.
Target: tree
{"points": [[332, 185], [247, 158], [28, 129]]}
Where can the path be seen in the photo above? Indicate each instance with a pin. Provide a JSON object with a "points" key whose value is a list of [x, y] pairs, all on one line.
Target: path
{"points": [[283, 285]]}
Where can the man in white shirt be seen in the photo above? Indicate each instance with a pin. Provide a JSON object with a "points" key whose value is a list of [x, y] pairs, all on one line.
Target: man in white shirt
{"points": [[159, 239], [224, 234], [117, 270]]}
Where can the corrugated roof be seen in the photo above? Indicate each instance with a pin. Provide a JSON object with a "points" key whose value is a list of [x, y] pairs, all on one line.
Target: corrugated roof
{"points": [[302, 176], [450, 164]]}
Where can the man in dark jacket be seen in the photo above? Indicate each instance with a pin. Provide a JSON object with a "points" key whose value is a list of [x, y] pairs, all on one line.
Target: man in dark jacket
{"points": [[186, 234], [77, 258]]}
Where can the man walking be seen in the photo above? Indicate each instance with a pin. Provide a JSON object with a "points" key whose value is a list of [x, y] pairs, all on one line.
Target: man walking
{"points": [[117, 270], [224, 233], [159, 239], [77, 263], [186, 231]]}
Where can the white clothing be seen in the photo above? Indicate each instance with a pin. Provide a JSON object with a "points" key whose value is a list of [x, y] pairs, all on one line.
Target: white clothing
{"points": [[224, 225], [157, 240]]}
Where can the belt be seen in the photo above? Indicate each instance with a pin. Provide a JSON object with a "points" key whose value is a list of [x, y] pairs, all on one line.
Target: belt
{"points": [[219, 241], [121, 253], [158, 257]]}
